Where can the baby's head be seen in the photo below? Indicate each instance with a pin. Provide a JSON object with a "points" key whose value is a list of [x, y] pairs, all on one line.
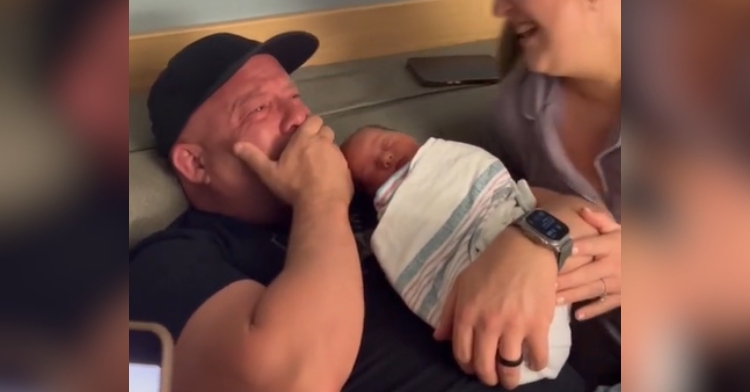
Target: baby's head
{"points": [[375, 153]]}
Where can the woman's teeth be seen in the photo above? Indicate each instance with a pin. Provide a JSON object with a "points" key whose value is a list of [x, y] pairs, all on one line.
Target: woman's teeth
{"points": [[526, 30]]}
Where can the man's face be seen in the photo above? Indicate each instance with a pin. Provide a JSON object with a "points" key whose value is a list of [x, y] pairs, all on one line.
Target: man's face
{"points": [[260, 104]]}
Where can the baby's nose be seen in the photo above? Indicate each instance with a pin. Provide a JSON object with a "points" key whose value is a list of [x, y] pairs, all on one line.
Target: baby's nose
{"points": [[386, 160]]}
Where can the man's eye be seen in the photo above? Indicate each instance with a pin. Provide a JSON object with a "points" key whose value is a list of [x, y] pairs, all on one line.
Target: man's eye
{"points": [[259, 109]]}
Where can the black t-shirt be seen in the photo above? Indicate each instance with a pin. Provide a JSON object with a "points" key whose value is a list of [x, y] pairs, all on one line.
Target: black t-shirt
{"points": [[174, 271], [54, 276]]}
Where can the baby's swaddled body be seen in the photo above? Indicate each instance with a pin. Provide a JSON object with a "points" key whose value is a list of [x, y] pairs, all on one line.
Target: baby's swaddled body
{"points": [[436, 215]]}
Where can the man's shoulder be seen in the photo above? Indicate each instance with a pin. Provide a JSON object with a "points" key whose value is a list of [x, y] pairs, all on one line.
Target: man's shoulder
{"points": [[184, 230], [193, 231], [196, 234]]}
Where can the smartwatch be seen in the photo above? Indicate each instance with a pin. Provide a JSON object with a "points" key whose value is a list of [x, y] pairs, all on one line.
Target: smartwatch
{"points": [[544, 229]]}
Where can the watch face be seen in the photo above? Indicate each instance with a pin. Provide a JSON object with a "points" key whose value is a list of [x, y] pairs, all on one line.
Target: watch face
{"points": [[547, 225]]}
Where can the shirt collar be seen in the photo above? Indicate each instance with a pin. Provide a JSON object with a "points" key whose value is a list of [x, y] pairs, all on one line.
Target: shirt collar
{"points": [[538, 93]]}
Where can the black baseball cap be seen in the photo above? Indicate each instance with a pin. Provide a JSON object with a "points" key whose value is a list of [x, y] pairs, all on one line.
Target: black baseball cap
{"points": [[201, 68]]}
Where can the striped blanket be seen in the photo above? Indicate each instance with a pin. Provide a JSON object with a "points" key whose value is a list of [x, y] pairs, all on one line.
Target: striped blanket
{"points": [[436, 215]]}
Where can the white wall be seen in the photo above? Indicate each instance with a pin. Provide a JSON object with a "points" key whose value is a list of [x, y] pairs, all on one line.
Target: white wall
{"points": [[154, 15]]}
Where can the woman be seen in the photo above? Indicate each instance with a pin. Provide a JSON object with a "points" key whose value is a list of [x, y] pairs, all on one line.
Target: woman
{"points": [[558, 127]]}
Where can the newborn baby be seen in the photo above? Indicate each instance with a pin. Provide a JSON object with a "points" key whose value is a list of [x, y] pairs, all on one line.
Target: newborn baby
{"points": [[439, 205]]}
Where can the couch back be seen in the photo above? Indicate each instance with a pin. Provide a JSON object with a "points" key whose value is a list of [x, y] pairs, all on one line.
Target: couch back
{"points": [[348, 96]]}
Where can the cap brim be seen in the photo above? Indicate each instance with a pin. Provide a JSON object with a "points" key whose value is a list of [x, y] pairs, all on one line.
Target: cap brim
{"points": [[291, 50]]}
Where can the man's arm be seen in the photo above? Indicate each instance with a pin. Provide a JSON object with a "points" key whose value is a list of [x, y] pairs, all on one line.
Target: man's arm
{"points": [[301, 333], [320, 292]]}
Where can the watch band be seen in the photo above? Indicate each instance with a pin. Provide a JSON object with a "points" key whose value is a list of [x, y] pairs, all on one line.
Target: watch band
{"points": [[566, 249]]}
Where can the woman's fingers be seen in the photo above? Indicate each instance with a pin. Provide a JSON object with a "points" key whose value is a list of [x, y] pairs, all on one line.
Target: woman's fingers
{"points": [[601, 221], [599, 308], [485, 353], [596, 246], [582, 276], [588, 291], [510, 349], [574, 262]]}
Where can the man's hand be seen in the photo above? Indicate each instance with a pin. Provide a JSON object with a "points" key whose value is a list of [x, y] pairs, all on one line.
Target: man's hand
{"points": [[310, 167], [500, 306]]}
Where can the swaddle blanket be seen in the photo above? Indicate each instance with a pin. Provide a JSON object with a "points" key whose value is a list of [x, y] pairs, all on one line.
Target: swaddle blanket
{"points": [[436, 215]]}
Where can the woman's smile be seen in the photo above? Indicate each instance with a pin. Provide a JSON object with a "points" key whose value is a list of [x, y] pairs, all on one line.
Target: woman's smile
{"points": [[526, 30]]}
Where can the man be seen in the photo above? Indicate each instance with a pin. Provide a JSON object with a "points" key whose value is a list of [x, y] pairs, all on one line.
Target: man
{"points": [[260, 281]]}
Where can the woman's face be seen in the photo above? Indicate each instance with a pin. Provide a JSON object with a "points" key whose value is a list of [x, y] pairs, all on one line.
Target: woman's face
{"points": [[570, 38]]}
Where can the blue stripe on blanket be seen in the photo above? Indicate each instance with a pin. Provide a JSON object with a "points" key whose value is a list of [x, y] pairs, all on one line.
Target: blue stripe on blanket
{"points": [[431, 298], [442, 235]]}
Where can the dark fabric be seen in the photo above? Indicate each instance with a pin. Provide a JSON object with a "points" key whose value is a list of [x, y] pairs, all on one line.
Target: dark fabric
{"points": [[55, 276], [202, 67], [728, 373], [595, 354], [173, 272]]}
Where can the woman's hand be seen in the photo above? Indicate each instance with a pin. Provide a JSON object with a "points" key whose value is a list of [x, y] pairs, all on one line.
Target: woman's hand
{"points": [[599, 278], [501, 306]]}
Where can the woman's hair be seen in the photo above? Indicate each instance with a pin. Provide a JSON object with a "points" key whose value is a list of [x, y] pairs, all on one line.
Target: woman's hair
{"points": [[508, 50]]}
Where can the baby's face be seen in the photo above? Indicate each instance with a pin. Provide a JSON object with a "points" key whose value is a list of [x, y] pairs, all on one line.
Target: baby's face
{"points": [[374, 154]]}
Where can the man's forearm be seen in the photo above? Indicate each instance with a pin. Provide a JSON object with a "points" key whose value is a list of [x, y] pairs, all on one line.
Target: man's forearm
{"points": [[316, 305]]}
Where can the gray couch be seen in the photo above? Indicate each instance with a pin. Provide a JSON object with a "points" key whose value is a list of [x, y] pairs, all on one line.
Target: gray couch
{"points": [[348, 96]]}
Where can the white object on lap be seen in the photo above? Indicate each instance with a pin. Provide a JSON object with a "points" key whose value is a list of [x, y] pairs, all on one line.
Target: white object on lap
{"points": [[451, 204]]}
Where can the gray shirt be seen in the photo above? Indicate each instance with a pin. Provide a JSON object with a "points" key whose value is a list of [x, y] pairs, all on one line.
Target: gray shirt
{"points": [[526, 139]]}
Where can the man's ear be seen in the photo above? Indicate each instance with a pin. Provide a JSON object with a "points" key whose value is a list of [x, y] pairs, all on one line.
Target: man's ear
{"points": [[188, 161]]}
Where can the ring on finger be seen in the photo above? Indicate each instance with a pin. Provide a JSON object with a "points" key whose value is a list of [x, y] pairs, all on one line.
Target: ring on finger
{"points": [[508, 363], [604, 290]]}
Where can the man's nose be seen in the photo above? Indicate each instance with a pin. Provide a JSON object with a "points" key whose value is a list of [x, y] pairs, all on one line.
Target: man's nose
{"points": [[502, 8], [295, 115]]}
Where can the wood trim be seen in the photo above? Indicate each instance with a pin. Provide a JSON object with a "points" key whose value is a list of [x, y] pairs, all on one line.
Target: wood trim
{"points": [[345, 34]]}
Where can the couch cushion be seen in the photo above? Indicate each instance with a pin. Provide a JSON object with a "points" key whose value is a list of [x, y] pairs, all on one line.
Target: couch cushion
{"points": [[365, 95]]}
